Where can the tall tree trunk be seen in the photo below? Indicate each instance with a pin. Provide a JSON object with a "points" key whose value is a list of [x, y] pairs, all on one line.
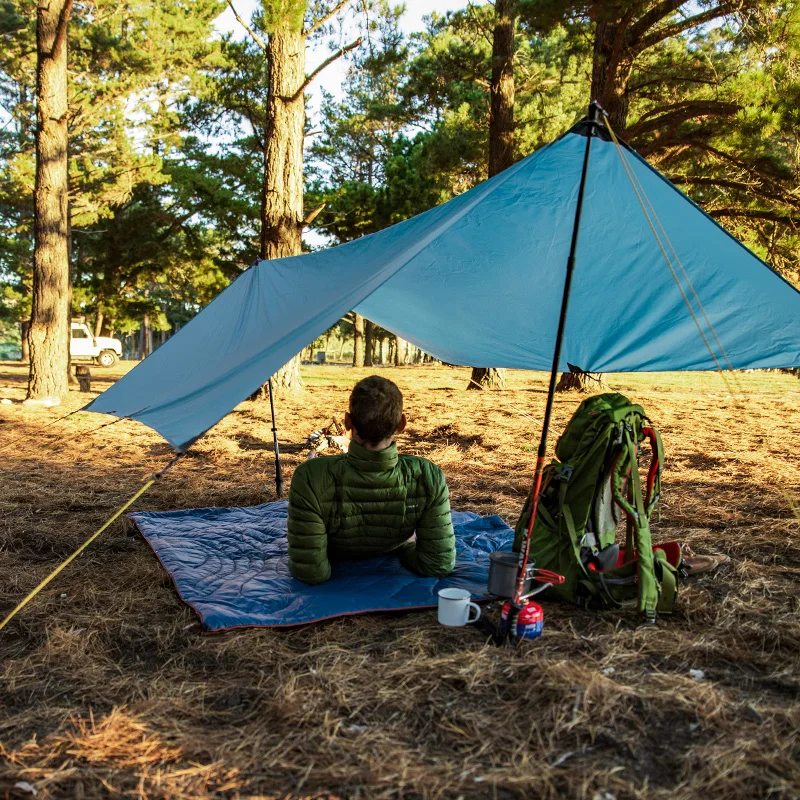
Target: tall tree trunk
{"points": [[282, 196], [24, 327], [358, 341], [369, 342], [612, 62], [98, 323], [399, 344], [501, 135], [501, 114], [145, 338], [282, 224], [50, 318]]}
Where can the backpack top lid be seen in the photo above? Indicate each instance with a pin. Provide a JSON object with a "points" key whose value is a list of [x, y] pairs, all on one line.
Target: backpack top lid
{"points": [[592, 418]]}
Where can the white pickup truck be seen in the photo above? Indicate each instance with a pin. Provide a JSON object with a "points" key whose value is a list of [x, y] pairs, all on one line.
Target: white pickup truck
{"points": [[100, 350]]}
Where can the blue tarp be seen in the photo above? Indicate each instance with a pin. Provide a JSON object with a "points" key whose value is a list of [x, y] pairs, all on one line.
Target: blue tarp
{"points": [[478, 281], [231, 566]]}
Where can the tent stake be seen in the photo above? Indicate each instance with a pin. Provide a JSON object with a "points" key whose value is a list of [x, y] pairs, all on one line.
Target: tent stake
{"points": [[278, 475], [594, 113]]}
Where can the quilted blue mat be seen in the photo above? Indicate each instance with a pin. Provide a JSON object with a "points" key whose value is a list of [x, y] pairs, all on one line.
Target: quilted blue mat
{"points": [[231, 566]]}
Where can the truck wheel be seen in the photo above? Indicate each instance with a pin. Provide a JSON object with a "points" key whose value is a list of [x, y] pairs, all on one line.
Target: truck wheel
{"points": [[107, 358]]}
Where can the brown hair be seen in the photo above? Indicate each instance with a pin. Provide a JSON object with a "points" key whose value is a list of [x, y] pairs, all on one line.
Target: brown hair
{"points": [[376, 407]]}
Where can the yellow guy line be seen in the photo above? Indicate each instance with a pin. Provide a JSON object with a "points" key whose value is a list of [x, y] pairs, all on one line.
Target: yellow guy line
{"points": [[71, 558], [642, 197]]}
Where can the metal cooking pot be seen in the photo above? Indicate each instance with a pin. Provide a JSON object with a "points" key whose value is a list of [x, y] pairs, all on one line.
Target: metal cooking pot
{"points": [[503, 568]]}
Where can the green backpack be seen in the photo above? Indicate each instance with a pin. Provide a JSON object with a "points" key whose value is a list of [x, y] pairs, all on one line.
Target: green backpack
{"points": [[585, 491]]}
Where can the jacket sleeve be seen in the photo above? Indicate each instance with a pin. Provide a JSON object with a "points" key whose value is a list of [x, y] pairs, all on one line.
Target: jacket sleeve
{"points": [[433, 554], [308, 539]]}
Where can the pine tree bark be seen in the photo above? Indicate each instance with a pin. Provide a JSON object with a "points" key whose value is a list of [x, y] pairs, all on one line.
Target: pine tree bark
{"points": [[282, 191], [487, 378], [501, 90], [399, 351], [50, 319], [358, 340], [501, 136], [576, 380], [282, 223], [369, 342], [612, 63], [24, 327]]}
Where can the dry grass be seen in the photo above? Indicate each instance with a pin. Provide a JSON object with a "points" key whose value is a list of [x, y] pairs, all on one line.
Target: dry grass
{"points": [[110, 686]]}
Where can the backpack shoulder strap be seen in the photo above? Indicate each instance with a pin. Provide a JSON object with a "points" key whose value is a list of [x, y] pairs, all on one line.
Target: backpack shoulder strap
{"points": [[648, 583]]}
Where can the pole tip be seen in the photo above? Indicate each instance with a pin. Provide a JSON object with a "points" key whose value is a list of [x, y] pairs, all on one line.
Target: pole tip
{"points": [[595, 111]]}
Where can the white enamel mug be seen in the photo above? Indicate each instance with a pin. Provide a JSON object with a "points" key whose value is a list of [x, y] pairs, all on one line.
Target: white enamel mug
{"points": [[454, 608]]}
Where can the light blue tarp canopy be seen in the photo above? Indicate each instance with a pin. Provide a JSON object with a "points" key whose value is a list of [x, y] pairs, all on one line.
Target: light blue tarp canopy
{"points": [[478, 281]]}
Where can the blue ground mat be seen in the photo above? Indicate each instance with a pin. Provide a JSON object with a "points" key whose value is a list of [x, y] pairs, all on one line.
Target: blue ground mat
{"points": [[231, 566]]}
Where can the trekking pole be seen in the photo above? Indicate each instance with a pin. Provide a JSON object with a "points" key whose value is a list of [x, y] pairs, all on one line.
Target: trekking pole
{"points": [[278, 474], [593, 121]]}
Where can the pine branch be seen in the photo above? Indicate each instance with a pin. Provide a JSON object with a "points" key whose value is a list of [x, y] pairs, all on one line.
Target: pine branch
{"points": [[673, 116], [311, 216], [750, 187], [766, 180], [655, 15], [256, 38], [756, 213], [60, 39], [676, 28], [327, 62], [325, 17]]}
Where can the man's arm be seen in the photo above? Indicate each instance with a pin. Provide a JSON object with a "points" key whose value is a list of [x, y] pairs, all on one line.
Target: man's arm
{"points": [[434, 551], [308, 539]]}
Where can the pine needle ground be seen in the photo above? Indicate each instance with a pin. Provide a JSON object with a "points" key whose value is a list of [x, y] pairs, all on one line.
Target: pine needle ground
{"points": [[109, 686]]}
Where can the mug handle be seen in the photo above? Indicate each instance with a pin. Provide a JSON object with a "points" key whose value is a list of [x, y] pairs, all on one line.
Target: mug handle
{"points": [[477, 614]]}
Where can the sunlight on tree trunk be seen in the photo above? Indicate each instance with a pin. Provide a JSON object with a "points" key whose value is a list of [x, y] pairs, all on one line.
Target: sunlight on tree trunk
{"points": [[23, 336], [50, 319], [282, 199], [369, 342], [358, 340], [576, 380], [487, 378], [399, 351], [611, 69]]}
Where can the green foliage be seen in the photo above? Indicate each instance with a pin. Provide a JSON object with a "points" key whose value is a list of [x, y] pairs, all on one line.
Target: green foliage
{"points": [[449, 87], [283, 14], [132, 65]]}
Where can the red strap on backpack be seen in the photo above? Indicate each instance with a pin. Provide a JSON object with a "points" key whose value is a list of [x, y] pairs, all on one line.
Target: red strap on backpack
{"points": [[654, 464]]}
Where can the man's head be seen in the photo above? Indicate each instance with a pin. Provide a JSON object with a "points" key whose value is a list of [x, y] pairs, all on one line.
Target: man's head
{"points": [[376, 411]]}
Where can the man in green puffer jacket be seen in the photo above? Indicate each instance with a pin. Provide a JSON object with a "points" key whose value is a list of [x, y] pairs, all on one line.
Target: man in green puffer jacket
{"points": [[372, 500]]}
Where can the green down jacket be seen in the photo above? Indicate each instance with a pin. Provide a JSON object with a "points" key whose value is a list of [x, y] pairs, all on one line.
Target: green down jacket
{"points": [[365, 504]]}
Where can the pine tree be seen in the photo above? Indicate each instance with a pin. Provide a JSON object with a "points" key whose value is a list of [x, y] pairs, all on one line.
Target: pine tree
{"points": [[50, 317], [117, 52], [287, 32]]}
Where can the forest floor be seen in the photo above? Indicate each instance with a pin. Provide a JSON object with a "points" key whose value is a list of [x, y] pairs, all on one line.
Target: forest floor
{"points": [[110, 687]]}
